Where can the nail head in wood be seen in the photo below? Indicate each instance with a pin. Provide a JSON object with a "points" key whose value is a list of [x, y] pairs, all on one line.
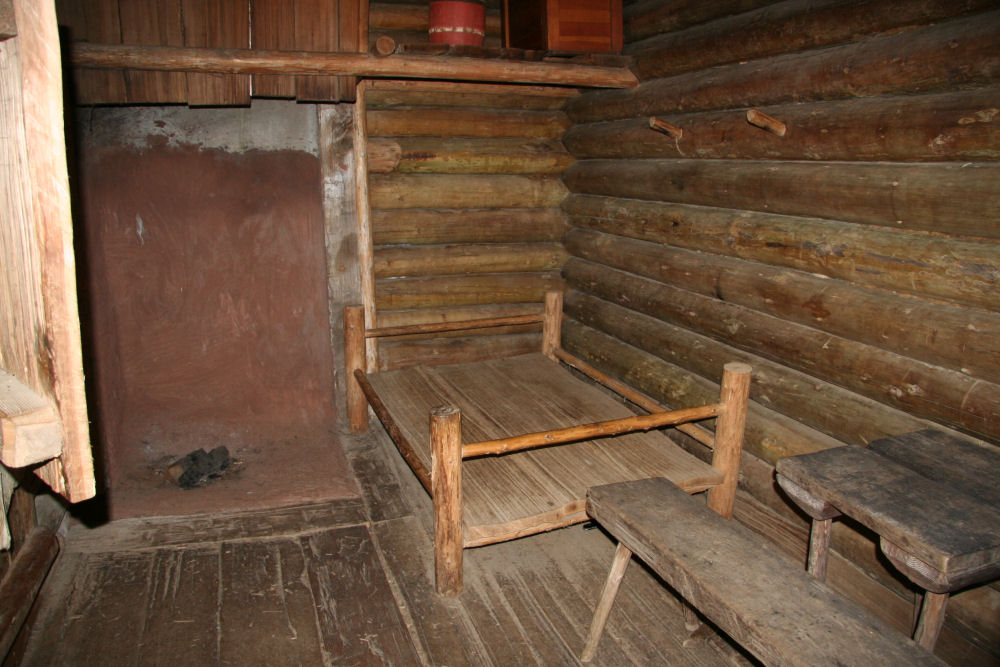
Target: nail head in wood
{"points": [[769, 123]]}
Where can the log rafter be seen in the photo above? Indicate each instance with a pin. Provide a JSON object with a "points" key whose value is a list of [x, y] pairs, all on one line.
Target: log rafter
{"points": [[252, 61]]}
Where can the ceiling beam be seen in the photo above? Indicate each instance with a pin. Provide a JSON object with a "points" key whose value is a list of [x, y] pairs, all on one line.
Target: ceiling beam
{"points": [[247, 61]]}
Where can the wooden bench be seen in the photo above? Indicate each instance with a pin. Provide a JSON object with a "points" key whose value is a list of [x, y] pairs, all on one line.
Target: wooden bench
{"points": [[931, 498], [758, 597]]}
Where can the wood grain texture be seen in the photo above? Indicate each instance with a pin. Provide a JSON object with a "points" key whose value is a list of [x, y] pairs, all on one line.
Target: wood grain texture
{"points": [[951, 532], [446, 489], [944, 197], [222, 24], [765, 602], [933, 127], [944, 458], [337, 171], [922, 389], [784, 28], [464, 191], [875, 69], [471, 225], [465, 290], [58, 351], [501, 495], [242, 62], [153, 23], [97, 22], [644, 18], [21, 582], [467, 156], [920, 328], [818, 404], [769, 434], [402, 93], [30, 429], [396, 261], [272, 27], [445, 121]]}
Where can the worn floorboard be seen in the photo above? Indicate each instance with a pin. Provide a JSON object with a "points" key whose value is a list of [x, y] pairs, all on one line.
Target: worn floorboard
{"points": [[344, 583]]}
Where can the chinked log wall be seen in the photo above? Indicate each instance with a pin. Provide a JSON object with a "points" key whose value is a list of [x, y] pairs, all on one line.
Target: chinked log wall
{"points": [[464, 194], [854, 261]]}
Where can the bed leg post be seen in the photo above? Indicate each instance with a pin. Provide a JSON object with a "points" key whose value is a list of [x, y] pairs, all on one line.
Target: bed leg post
{"points": [[354, 354], [446, 490], [552, 324], [729, 436]]}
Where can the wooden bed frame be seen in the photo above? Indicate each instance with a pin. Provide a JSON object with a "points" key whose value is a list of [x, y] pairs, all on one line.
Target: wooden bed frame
{"points": [[511, 480]]}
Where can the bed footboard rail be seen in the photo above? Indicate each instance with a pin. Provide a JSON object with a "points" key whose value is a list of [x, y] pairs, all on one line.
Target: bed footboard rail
{"points": [[727, 441], [593, 430]]}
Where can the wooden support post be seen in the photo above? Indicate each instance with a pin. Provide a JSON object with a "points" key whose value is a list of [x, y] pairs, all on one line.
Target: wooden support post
{"points": [[446, 485], [354, 359], [819, 547], [769, 123], [364, 229], [665, 127], [622, 556], [552, 324], [930, 620], [729, 436]]}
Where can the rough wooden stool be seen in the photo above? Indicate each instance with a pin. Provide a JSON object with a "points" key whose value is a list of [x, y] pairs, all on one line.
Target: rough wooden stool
{"points": [[750, 591], [937, 533]]}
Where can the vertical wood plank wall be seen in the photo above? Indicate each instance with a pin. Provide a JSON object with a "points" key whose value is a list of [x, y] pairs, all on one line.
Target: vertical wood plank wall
{"points": [[854, 261], [291, 25], [464, 192]]}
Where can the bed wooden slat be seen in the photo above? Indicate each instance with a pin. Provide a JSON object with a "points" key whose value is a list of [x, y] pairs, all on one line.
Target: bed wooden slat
{"points": [[535, 490]]}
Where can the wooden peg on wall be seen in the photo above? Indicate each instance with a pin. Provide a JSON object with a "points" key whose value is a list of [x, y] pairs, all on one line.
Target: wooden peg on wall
{"points": [[769, 123], [665, 127]]}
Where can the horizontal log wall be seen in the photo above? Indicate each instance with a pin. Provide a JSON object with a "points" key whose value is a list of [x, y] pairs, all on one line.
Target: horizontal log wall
{"points": [[850, 254], [464, 189]]}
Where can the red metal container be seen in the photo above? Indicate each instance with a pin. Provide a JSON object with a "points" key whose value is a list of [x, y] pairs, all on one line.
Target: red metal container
{"points": [[455, 22]]}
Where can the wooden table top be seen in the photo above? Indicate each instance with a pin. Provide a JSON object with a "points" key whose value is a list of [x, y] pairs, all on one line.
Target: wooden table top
{"points": [[935, 522]]}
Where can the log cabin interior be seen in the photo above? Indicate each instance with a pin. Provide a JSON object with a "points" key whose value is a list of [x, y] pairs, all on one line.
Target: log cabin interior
{"points": [[808, 188]]}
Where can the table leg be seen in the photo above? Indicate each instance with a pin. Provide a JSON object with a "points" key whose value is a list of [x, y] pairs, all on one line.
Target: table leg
{"points": [[819, 547], [930, 620]]}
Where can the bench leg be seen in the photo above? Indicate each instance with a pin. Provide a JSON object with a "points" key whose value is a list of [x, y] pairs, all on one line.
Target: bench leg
{"points": [[930, 620], [819, 547], [622, 556], [446, 491]]}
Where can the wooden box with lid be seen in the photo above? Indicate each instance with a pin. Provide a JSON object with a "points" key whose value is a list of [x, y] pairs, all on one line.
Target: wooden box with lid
{"points": [[565, 26]]}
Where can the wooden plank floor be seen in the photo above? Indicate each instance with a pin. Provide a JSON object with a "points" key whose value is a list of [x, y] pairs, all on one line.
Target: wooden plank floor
{"points": [[349, 582]]}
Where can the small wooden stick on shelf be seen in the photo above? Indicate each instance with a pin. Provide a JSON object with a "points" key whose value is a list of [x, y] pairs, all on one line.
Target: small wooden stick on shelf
{"points": [[665, 127], [769, 123]]}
